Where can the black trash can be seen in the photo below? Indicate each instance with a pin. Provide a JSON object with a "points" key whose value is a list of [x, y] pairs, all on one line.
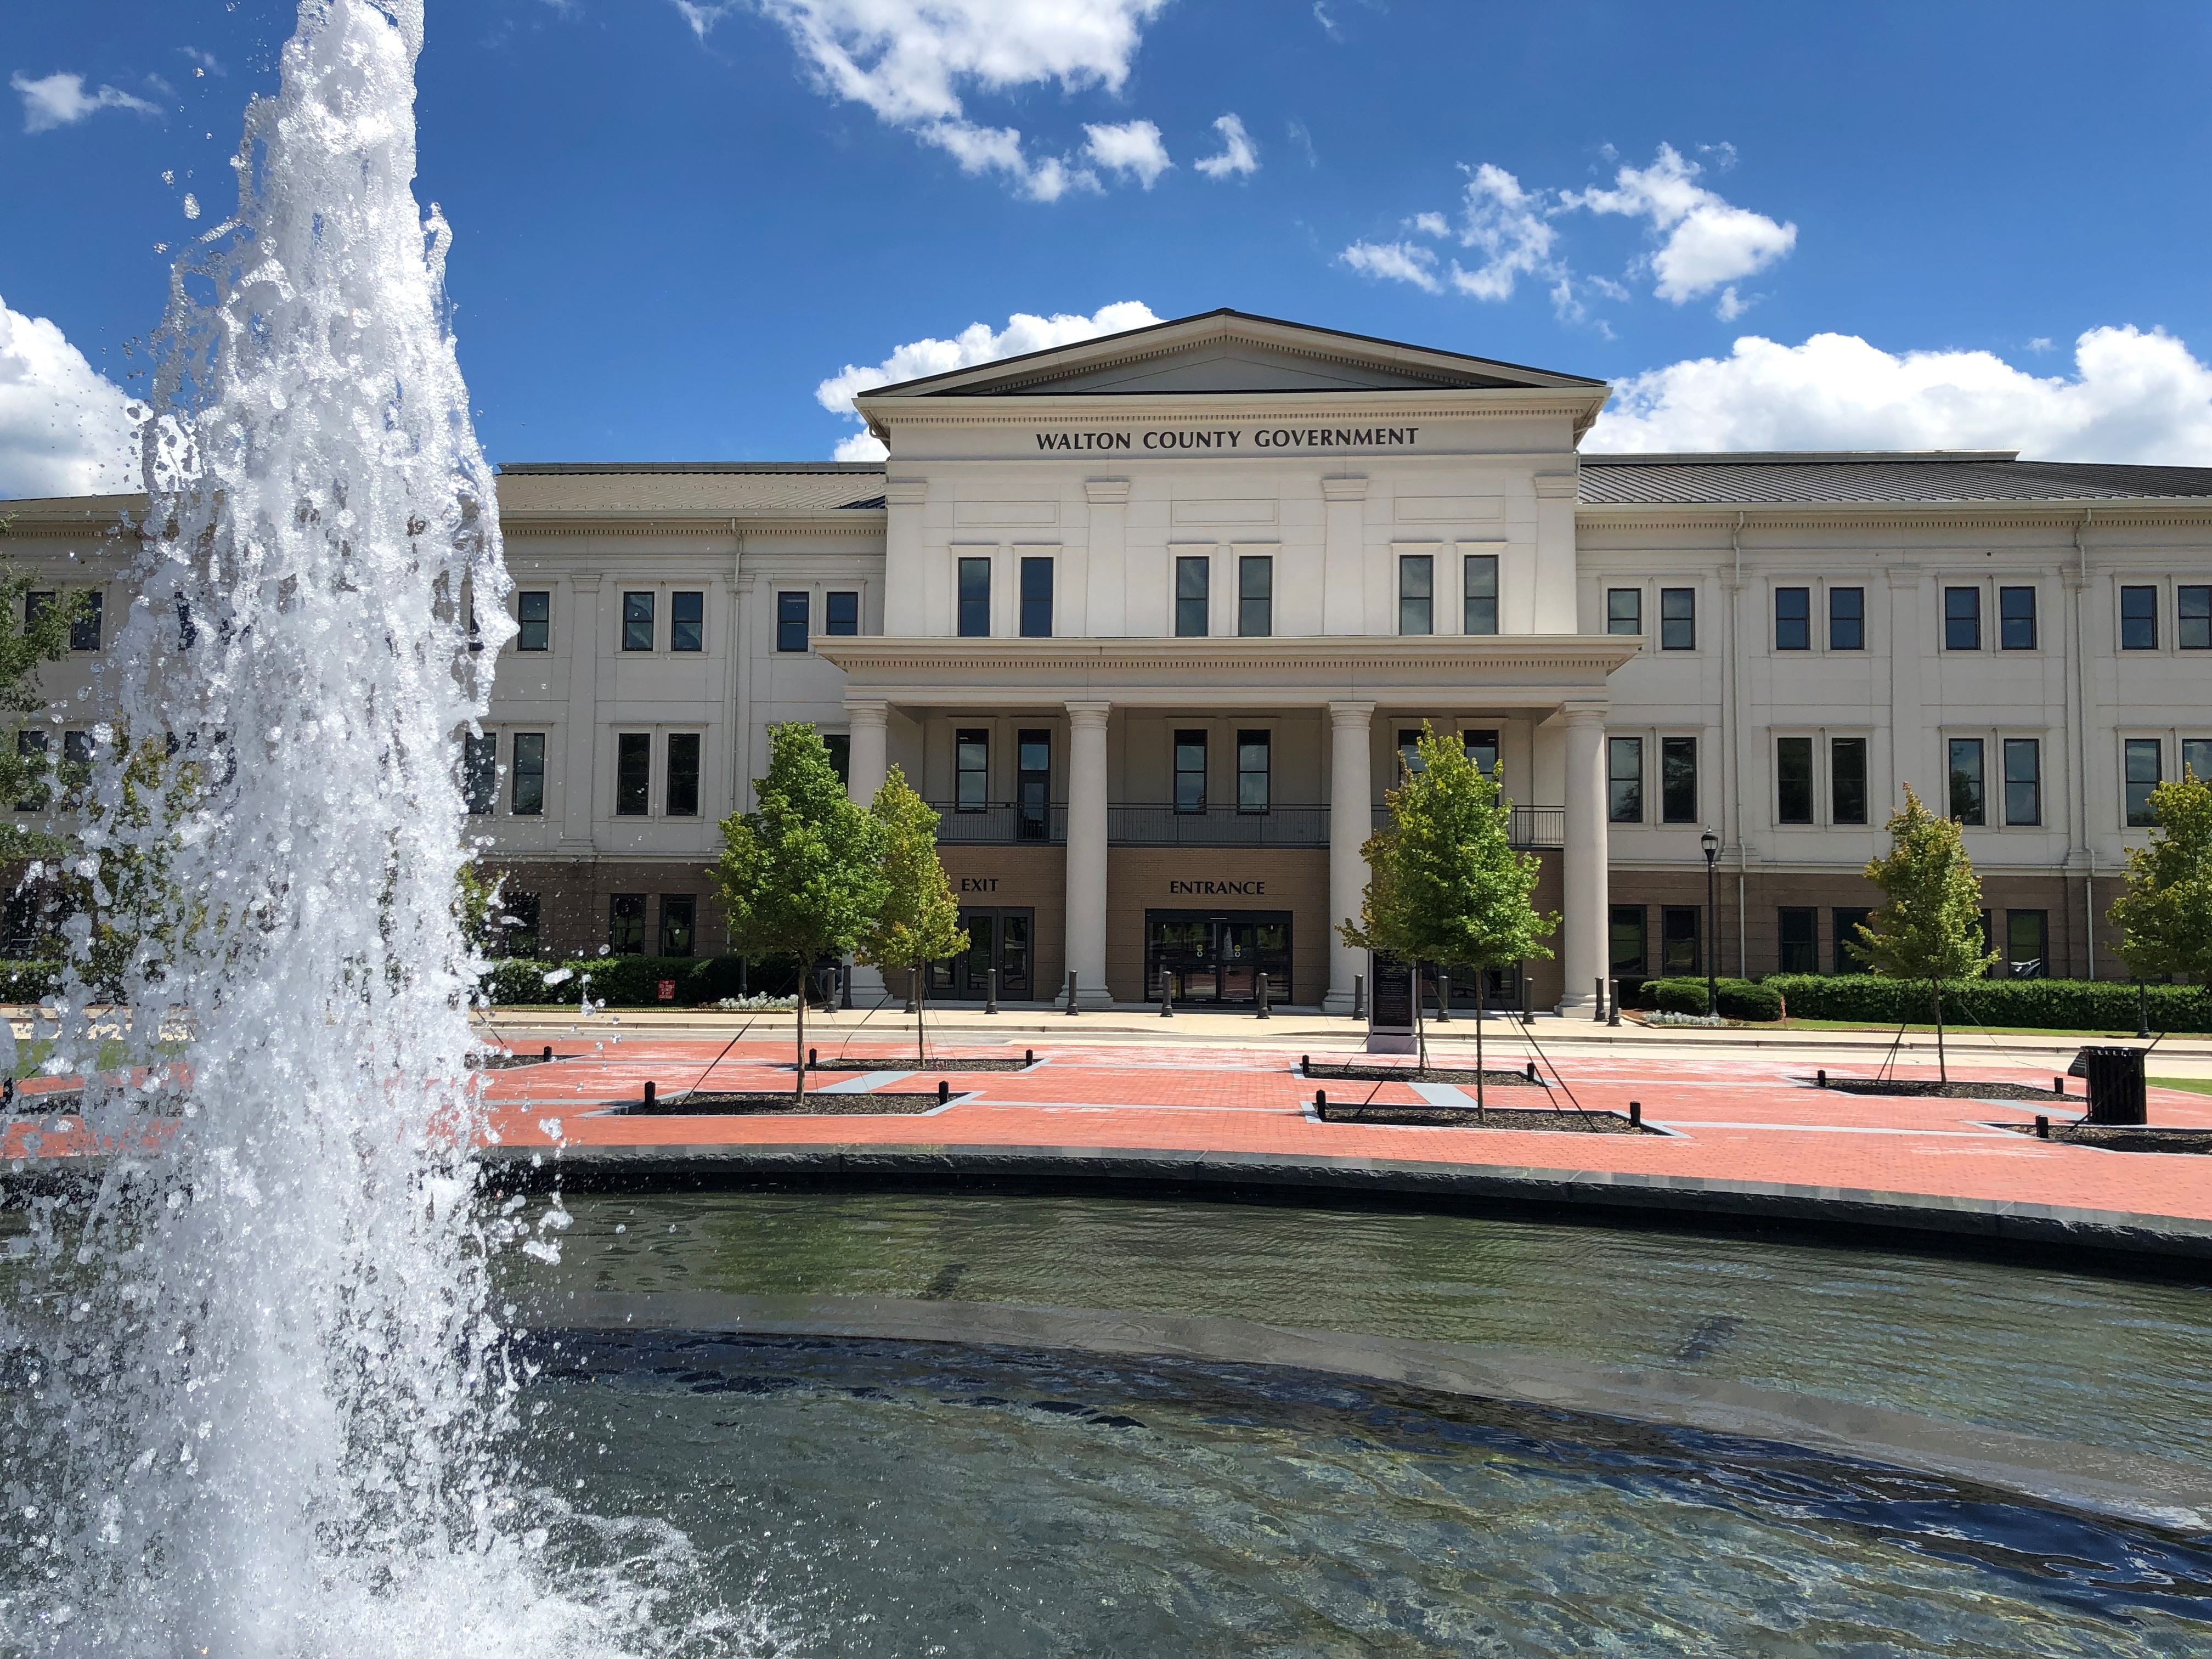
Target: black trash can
{"points": [[2116, 1085]]}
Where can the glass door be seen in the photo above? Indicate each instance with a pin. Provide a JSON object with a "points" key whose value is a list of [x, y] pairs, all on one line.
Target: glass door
{"points": [[996, 938]]}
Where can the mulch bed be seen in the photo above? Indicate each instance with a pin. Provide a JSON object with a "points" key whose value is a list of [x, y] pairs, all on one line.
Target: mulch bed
{"points": [[1357, 1073], [756, 1104], [508, 1062], [934, 1063], [43, 1102], [1508, 1117], [1868, 1086], [2122, 1137]]}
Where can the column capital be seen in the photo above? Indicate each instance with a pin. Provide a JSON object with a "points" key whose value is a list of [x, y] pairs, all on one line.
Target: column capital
{"points": [[1341, 714], [1105, 492], [1586, 714], [1092, 716], [867, 712], [1903, 575], [906, 492], [1556, 486], [1345, 487], [586, 583]]}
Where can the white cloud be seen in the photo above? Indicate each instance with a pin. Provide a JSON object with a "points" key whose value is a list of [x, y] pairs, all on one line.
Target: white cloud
{"points": [[1705, 243], [60, 100], [1397, 262], [1134, 148], [700, 14], [204, 63], [2133, 396], [1239, 157], [64, 429], [1508, 225], [979, 342]]}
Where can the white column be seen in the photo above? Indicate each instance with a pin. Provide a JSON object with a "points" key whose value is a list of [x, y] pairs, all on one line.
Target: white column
{"points": [[867, 760], [1350, 817], [1582, 952], [1086, 853], [579, 796]]}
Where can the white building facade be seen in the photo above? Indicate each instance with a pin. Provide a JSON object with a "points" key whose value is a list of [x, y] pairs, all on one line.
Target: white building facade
{"points": [[1151, 618]]}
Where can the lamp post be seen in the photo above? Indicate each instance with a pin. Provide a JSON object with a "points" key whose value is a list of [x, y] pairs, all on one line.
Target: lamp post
{"points": [[1712, 843]]}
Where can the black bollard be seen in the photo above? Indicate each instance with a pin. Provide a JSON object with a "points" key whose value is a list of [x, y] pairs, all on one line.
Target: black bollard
{"points": [[845, 988], [810, 1055], [990, 990], [1635, 1113], [1305, 1065], [1443, 999], [1532, 1071], [1167, 999], [1821, 1078], [944, 1091], [549, 1051], [648, 1092], [1598, 1018], [1527, 999], [1613, 1005], [2059, 1085], [1261, 997], [2042, 1127], [1321, 1104], [1359, 996], [1028, 1056], [1070, 993]]}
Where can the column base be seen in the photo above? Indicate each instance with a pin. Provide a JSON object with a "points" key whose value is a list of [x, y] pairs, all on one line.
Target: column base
{"points": [[1337, 1004], [1089, 999], [868, 986], [1585, 1006]]}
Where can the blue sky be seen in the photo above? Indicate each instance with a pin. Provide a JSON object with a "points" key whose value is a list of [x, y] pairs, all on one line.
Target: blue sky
{"points": [[676, 219]]}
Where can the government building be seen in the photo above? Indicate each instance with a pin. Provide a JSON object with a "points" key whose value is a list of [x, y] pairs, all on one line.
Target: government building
{"points": [[1153, 619]]}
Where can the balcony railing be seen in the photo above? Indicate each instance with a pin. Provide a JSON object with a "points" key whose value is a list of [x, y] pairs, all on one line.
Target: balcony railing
{"points": [[1139, 825], [1533, 826], [1000, 823]]}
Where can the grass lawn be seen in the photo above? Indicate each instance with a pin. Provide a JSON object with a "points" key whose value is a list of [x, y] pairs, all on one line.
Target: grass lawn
{"points": [[1950, 1028], [2197, 1085]]}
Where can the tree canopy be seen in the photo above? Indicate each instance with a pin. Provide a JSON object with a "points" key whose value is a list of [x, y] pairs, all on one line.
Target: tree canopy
{"points": [[1931, 927], [918, 921], [2166, 914]]}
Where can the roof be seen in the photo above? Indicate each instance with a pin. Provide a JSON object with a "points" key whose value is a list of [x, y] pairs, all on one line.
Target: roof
{"points": [[1874, 477], [707, 487]]}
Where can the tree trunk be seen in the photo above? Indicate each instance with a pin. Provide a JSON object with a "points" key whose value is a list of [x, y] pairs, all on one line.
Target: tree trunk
{"points": [[798, 1088], [1420, 1024], [920, 1003], [1942, 1067], [1478, 1000]]}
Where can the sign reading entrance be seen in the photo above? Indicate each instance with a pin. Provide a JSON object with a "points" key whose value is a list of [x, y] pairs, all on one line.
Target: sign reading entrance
{"points": [[1219, 888]]}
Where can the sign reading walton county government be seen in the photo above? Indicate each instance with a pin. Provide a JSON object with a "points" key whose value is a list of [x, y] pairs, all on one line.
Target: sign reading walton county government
{"points": [[1237, 439]]}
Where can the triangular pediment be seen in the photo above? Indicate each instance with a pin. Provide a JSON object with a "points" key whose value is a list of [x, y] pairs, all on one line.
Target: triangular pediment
{"points": [[1229, 352]]}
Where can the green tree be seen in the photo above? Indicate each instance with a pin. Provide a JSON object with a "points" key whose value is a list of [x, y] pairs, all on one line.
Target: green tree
{"points": [[1931, 927], [919, 921], [1444, 884], [2166, 915], [43, 638], [802, 874]]}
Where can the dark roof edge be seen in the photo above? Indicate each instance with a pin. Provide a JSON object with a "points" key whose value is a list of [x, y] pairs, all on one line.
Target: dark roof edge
{"points": [[1801, 456]]}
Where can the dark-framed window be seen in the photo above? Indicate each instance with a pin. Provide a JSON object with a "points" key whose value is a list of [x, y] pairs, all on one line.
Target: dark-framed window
{"points": [[684, 775], [84, 626], [633, 773], [687, 620], [2027, 944], [2192, 606], [974, 621], [1793, 619], [1254, 757], [1625, 945], [31, 745], [1481, 747], [1417, 579], [518, 921], [840, 746], [1679, 931], [76, 747], [1969, 795], [2139, 619], [1479, 572], [2023, 780], [2145, 759], [1623, 780], [528, 793], [1847, 780], [626, 924], [841, 612], [1846, 919], [1624, 611], [1033, 783], [480, 771], [1678, 619], [2196, 758], [1255, 595], [971, 770], [793, 608], [1410, 763], [1847, 619], [533, 618], [36, 605], [1194, 595], [637, 622], [1962, 619], [1190, 771], [1797, 934], [1678, 780], [2016, 619], [1793, 780], [679, 917], [1036, 599]]}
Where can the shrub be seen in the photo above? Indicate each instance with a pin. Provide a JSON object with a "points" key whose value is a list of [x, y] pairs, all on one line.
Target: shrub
{"points": [[2036, 1004], [629, 981], [1738, 997], [28, 981]]}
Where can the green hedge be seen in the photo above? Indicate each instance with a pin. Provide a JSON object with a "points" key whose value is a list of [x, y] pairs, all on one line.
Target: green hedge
{"points": [[28, 981], [633, 981], [2048, 1004], [1738, 997]]}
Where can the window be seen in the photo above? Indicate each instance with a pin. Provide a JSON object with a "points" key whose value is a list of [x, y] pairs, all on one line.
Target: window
{"points": [[1417, 574], [2196, 758], [637, 622], [1193, 594], [1410, 763], [1847, 619], [683, 774], [1847, 781], [2139, 619], [633, 773], [1962, 619], [480, 771], [679, 915], [1255, 596], [1677, 940], [1678, 619], [1624, 611], [2027, 942], [1033, 784], [971, 765], [533, 615], [1793, 780], [687, 622], [84, 627], [1797, 930], [841, 613], [626, 924], [791, 620], [36, 605], [1190, 771], [2023, 773], [975, 619], [1625, 941], [1966, 798], [1847, 921], [31, 746], [518, 916], [1623, 780], [1036, 599], [76, 747], [2144, 760], [1678, 780], [2193, 630], [1482, 748], [2016, 619], [1793, 619], [1252, 756], [1480, 574], [840, 746], [528, 794]]}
